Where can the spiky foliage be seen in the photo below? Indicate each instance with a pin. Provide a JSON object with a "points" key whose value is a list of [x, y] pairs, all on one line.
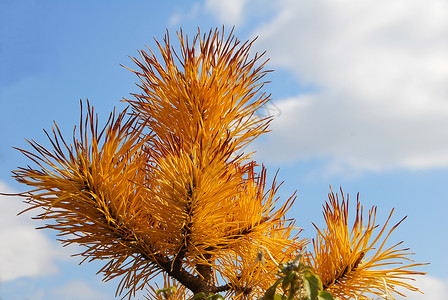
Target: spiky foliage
{"points": [[163, 189], [356, 262]]}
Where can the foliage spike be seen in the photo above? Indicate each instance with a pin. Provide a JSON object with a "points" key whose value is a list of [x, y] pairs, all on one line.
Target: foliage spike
{"points": [[164, 187]]}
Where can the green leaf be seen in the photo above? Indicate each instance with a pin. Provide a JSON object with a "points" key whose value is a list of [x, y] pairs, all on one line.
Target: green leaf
{"points": [[200, 295], [287, 280], [279, 297], [313, 285], [310, 273], [324, 295], [306, 268], [270, 292]]}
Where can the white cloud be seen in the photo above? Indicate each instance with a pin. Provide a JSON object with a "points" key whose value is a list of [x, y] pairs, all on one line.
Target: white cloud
{"points": [[433, 288], [177, 18], [381, 69], [79, 290], [229, 12], [25, 251]]}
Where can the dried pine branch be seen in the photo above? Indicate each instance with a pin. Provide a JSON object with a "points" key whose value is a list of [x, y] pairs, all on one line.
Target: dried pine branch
{"points": [[164, 188], [355, 262]]}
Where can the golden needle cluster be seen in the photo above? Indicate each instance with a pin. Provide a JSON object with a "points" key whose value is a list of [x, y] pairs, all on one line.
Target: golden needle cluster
{"points": [[165, 187]]}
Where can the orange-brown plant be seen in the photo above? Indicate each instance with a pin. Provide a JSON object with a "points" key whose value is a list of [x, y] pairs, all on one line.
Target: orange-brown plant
{"points": [[164, 186], [356, 262]]}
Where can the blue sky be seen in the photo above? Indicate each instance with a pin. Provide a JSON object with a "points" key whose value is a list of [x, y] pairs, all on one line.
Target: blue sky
{"points": [[359, 94]]}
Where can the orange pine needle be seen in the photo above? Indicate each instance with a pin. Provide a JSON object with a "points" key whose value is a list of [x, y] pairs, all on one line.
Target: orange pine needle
{"points": [[353, 263], [166, 188]]}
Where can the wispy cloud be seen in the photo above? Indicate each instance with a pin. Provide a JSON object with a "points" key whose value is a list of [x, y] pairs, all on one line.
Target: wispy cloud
{"points": [[432, 287], [381, 70], [229, 12], [25, 252], [178, 17], [78, 290]]}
